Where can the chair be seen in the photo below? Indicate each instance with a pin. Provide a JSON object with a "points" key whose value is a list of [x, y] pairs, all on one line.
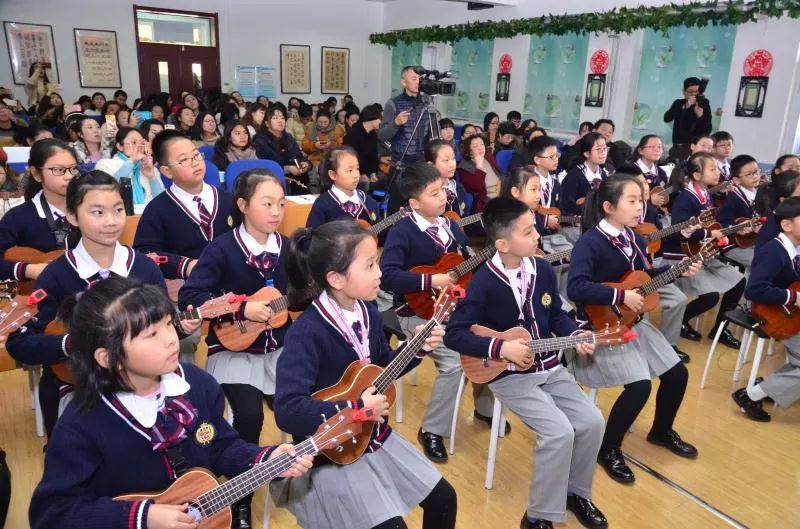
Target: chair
{"points": [[207, 150], [212, 174], [504, 160], [239, 166], [391, 327], [750, 327], [19, 167]]}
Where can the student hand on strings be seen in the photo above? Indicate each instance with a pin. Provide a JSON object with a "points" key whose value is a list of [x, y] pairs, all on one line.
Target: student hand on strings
{"points": [[434, 340], [746, 231], [170, 517], [658, 200], [301, 464], [190, 326], [689, 230], [257, 311], [693, 268], [442, 280], [517, 352], [585, 348], [378, 402], [634, 300], [717, 234], [552, 222]]}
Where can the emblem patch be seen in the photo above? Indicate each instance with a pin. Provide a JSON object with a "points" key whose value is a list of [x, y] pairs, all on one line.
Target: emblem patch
{"points": [[205, 433], [546, 300]]}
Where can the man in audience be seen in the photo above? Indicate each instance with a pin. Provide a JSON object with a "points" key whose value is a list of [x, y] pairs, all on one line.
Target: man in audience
{"points": [[121, 97], [692, 116], [616, 155]]}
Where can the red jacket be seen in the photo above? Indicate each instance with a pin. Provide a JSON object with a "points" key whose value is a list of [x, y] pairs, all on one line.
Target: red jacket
{"points": [[474, 180]]}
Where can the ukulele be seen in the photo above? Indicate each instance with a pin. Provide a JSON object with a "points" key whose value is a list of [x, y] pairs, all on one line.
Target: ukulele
{"points": [[573, 220], [173, 285], [640, 281], [213, 308], [451, 263], [665, 192], [238, 335], [209, 500], [561, 255], [361, 375], [484, 370], [652, 236], [18, 310], [383, 224], [691, 248], [778, 321], [463, 221], [26, 254]]}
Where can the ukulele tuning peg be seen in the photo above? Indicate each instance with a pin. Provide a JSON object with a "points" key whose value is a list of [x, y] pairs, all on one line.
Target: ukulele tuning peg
{"points": [[340, 449], [337, 408], [323, 417]]}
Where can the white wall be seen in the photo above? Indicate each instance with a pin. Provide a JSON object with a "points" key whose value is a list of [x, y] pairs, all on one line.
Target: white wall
{"points": [[250, 33]]}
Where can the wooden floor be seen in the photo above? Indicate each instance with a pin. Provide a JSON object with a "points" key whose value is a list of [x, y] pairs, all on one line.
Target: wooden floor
{"points": [[749, 471]]}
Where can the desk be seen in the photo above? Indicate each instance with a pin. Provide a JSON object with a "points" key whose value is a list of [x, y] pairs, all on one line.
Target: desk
{"points": [[296, 213]]}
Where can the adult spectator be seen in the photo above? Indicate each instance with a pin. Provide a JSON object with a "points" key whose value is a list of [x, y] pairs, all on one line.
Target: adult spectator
{"points": [[691, 116]]}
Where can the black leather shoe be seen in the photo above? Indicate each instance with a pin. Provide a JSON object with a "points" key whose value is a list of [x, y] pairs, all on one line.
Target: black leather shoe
{"points": [[673, 442], [538, 524], [768, 399], [683, 356], [753, 409], [688, 332], [241, 515], [433, 445], [614, 464], [586, 512], [727, 339], [488, 420]]}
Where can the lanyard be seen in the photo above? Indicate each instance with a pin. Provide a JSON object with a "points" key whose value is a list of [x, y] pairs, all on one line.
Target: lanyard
{"points": [[360, 346]]}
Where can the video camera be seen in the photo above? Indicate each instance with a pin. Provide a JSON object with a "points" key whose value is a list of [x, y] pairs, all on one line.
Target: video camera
{"points": [[431, 82]]}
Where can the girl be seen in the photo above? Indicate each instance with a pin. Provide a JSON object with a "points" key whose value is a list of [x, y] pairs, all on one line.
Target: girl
{"points": [[185, 119], [340, 177], [440, 154], [275, 144], [94, 205], [37, 85], [479, 171], [254, 118], [586, 175], [158, 112], [40, 223], [787, 162], [98, 102], [133, 158], [609, 248], [740, 203], [702, 143], [334, 269], [51, 110], [10, 181], [151, 128], [701, 172], [647, 155], [93, 143], [783, 185], [208, 130], [467, 130], [447, 130], [132, 392], [235, 144], [190, 101]]}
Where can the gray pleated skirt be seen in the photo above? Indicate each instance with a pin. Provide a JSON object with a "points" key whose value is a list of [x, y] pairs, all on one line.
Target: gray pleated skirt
{"points": [[743, 256], [715, 276], [257, 370], [555, 242], [379, 486], [648, 356]]}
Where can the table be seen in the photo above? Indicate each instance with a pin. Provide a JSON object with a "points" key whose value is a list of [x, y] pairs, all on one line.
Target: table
{"points": [[126, 239], [296, 213]]}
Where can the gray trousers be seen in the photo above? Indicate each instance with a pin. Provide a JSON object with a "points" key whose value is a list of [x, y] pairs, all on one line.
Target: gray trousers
{"points": [[438, 416], [673, 305], [569, 430], [555, 243], [784, 384]]}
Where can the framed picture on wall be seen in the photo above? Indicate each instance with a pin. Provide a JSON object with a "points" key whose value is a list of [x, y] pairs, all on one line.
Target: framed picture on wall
{"points": [[295, 69], [98, 58], [335, 70], [29, 44]]}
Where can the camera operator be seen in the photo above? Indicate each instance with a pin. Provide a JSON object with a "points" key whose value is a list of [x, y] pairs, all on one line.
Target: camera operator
{"points": [[400, 113], [692, 116]]}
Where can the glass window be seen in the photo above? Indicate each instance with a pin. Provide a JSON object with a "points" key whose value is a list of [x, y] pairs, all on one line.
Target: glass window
{"points": [[169, 28], [163, 76], [197, 76]]}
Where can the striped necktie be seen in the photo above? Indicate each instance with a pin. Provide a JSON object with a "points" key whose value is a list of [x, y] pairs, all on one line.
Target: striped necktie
{"points": [[433, 233], [205, 218]]}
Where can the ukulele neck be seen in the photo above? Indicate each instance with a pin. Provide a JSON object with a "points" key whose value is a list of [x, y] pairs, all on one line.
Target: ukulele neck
{"points": [[561, 342], [470, 264], [669, 276], [471, 219], [404, 357]]}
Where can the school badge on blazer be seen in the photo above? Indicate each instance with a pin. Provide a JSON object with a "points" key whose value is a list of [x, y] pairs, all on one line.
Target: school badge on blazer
{"points": [[205, 433], [230, 221], [546, 300], [373, 216]]}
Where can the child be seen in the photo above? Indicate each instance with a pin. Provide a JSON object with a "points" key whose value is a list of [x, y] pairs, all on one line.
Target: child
{"points": [[94, 205], [335, 268], [421, 239], [608, 249], [516, 289], [133, 159], [647, 155], [339, 177], [544, 150], [179, 223], [586, 175], [783, 185], [39, 223], [740, 203], [701, 143], [775, 267], [701, 172], [723, 148], [133, 393], [440, 154]]}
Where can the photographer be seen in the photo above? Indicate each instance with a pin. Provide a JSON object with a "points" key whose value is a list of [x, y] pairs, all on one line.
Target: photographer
{"points": [[38, 85], [399, 116], [692, 116]]}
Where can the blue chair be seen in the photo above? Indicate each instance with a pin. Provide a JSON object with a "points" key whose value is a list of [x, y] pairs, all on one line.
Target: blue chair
{"points": [[457, 133], [504, 160], [212, 174], [208, 151], [238, 166], [19, 167]]}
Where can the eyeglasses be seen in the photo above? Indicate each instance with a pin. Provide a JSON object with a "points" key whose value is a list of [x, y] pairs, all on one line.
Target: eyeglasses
{"points": [[60, 170], [601, 149], [188, 162], [550, 156], [757, 172], [656, 147]]}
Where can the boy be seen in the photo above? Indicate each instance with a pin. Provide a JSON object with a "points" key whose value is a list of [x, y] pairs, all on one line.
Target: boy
{"points": [[516, 289], [723, 148], [776, 265], [421, 239], [740, 203]]}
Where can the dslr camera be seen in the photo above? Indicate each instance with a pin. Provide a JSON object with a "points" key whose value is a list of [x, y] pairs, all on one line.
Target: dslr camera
{"points": [[434, 82]]}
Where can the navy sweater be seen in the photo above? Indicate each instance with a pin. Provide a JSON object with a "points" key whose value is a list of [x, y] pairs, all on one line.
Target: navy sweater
{"points": [[22, 226], [573, 187], [222, 268], [167, 229], [408, 246], [326, 208], [96, 454], [315, 357], [490, 302], [771, 275], [458, 203], [736, 206], [685, 207], [60, 280], [596, 260]]}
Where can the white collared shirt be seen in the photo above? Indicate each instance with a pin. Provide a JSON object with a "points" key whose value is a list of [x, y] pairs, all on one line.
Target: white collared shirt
{"points": [[614, 232], [590, 176], [344, 197], [87, 267], [548, 182], [145, 409], [749, 194], [37, 203], [647, 170], [724, 167], [791, 250], [254, 247], [451, 185], [527, 269], [423, 225], [188, 201]]}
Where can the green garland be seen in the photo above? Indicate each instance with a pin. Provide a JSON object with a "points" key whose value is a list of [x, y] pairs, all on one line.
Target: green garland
{"points": [[622, 20]]}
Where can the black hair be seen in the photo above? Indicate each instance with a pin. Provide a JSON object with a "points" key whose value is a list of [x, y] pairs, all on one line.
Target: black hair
{"points": [[514, 114], [323, 113], [781, 186], [524, 125], [537, 146], [446, 123], [314, 252], [416, 178], [697, 137], [122, 134], [610, 190], [252, 108], [500, 214], [787, 210], [305, 111], [40, 152], [739, 162], [331, 162], [107, 104], [178, 113], [84, 99], [162, 142], [44, 70], [642, 144], [105, 316], [467, 142], [781, 160], [30, 132], [147, 124], [80, 186], [604, 121], [517, 179], [433, 147], [630, 170], [721, 136], [244, 187], [682, 174], [273, 110], [402, 73], [488, 119], [586, 124], [224, 143], [121, 93], [586, 144], [464, 127], [198, 124]]}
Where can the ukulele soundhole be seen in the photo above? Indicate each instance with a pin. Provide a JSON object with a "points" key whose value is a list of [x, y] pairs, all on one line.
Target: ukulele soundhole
{"points": [[195, 512]]}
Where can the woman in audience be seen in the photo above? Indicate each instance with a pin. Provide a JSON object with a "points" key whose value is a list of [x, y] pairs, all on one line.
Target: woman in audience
{"points": [[125, 118], [10, 181], [133, 158], [10, 125], [37, 85], [321, 136], [467, 130], [190, 101], [85, 102], [480, 174], [277, 145], [185, 120], [254, 118], [30, 135], [263, 100], [93, 143], [351, 117], [787, 162], [491, 126], [235, 144], [341, 116], [110, 108], [151, 128], [207, 129], [98, 102], [241, 106], [51, 110]]}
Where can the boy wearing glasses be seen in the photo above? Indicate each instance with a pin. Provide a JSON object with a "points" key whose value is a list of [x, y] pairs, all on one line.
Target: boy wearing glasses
{"points": [[723, 148], [740, 203]]}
